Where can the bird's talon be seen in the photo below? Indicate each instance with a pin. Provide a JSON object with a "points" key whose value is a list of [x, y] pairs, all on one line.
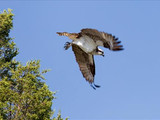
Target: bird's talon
{"points": [[67, 45]]}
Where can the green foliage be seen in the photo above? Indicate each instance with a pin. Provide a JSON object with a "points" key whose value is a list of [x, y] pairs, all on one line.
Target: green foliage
{"points": [[59, 117], [7, 47], [23, 92], [24, 95]]}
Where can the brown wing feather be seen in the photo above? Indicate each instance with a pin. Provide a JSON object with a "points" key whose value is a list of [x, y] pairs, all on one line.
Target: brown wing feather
{"points": [[109, 41], [85, 62]]}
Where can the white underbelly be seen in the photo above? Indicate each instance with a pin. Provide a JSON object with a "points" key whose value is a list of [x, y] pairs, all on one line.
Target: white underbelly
{"points": [[86, 44]]}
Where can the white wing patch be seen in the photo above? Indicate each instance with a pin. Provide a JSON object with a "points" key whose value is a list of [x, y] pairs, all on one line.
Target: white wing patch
{"points": [[86, 44], [79, 43]]}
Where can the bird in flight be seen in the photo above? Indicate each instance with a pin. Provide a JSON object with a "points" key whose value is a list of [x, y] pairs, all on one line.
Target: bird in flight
{"points": [[85, 46]]}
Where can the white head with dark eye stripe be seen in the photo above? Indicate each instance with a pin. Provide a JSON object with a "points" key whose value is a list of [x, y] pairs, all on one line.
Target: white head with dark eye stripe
{"points": [[99, 52]]}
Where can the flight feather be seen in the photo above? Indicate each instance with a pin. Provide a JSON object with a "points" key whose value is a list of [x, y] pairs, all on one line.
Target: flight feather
{"points": [[85, 62], [105, 39]]}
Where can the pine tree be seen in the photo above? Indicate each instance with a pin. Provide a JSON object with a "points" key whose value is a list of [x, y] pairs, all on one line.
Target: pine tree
{"points": [[23, 92]]}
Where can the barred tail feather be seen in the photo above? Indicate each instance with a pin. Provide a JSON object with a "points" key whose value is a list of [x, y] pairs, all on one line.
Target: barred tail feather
{"points": [[63, 33]]}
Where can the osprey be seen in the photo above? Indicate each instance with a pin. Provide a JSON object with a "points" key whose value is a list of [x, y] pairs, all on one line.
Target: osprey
{"points": [[85, 46]]}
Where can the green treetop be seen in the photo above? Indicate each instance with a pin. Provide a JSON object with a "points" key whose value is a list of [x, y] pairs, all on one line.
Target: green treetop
{"points": [[23, 92]]}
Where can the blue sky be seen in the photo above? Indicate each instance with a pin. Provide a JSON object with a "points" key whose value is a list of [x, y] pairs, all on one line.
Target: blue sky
{"points": [[129, 79]]}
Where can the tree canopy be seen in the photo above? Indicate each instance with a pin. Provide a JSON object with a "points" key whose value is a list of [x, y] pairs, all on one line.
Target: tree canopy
{"points": [[24, 94]]}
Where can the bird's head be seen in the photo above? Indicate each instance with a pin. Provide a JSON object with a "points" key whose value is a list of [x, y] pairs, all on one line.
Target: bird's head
{"points": [[100, 52]]}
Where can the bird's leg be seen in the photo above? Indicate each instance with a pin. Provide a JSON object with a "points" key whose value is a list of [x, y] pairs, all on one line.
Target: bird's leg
{"points": [[67, 45]]}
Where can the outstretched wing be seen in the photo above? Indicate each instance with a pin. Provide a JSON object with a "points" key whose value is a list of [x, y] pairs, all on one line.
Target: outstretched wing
{"points": [[85, 62], [103, 39]]}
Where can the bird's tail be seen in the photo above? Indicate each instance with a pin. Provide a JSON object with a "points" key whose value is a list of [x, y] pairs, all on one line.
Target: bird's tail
{"points": [[63, 33]]}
